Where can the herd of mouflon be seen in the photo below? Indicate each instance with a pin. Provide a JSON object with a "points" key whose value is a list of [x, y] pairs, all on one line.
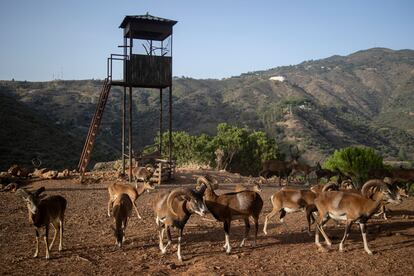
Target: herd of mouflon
{"points": [[172, 208]]}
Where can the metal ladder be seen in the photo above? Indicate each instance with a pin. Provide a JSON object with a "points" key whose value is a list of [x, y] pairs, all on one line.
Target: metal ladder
{"points": [[93, 128]]}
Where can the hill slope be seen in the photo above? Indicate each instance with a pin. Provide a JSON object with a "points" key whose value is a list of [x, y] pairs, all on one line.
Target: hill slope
{"points": [[26, 134], [365, 98]]}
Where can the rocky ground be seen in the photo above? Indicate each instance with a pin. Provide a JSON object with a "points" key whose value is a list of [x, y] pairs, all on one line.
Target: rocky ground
{"points": [[89, 247]]}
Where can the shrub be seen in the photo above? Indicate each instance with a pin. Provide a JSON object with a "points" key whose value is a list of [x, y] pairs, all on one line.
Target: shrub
{"points": [[187, 148], [243, 149], [355, 162]]}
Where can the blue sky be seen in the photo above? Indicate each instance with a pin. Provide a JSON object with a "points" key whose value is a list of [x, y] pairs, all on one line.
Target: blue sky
{"points": [[46, 39]]}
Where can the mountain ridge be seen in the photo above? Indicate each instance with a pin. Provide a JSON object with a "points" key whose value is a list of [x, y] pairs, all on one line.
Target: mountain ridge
{"points": [[365, 98]]}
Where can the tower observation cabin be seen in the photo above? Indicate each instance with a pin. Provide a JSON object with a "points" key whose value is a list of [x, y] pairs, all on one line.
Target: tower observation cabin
{"points": [[146, 63]]}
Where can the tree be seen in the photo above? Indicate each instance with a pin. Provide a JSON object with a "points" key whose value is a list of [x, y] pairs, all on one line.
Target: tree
{"points": [[240, 149], [244, 150], [355, 162], [185, 147]]}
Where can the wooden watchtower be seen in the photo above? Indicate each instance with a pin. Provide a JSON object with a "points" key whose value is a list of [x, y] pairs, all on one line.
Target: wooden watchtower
{"points": [[147, 65]]}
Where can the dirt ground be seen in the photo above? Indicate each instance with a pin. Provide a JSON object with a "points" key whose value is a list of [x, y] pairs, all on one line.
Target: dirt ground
{"points": [[89, 247]]}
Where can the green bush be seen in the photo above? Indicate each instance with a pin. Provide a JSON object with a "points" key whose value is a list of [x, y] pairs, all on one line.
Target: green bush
{"points": [[243, 149], [355, 162], [187, 148]]}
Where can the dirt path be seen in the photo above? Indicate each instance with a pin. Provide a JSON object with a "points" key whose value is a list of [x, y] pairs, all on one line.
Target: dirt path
{"points": [[89, 247]]}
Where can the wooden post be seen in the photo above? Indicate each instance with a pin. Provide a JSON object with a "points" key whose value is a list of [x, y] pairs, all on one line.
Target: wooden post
{"points": [[123, 129], [124, 107], [170, 123], [160, 146], [170, 126], [130, 135], [130, 120]]}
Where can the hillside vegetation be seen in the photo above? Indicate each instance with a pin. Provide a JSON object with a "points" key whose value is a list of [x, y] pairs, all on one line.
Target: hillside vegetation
{"points": [[26, 134], [365, 98]]}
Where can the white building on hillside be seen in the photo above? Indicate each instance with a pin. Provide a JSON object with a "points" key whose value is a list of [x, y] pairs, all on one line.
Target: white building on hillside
{"points": [[277, 78]]}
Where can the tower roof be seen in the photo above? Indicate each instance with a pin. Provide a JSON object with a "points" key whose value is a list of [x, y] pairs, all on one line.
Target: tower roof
{"points": [[147, 27]]}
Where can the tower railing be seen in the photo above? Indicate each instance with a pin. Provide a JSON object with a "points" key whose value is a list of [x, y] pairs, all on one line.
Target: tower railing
{"points": [[109, 63]]}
